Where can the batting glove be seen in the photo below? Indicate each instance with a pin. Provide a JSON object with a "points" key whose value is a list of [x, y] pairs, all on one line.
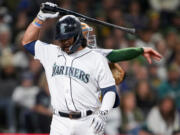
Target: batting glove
{"points": [[99, 121], [43, 15]]}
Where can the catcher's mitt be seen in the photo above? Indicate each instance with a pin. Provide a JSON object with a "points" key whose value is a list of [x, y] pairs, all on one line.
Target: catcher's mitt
{"points": [[118, 72]]}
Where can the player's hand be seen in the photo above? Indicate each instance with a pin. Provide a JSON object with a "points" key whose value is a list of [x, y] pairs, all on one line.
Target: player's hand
{"points": [[99, 121], [151, 53], [43, 15]]}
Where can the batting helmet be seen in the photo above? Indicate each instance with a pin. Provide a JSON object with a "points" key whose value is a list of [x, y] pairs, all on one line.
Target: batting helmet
{"points": [[67, 27]]}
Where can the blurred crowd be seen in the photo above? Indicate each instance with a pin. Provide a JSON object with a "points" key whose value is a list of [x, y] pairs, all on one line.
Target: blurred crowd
{"points": [[150, 94]]}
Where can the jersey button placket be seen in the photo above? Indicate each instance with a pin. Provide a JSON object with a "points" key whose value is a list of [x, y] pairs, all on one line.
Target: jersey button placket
{"points": [[68, 91]]}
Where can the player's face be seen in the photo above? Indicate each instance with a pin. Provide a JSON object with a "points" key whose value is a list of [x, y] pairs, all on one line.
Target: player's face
{"points": [[65, 44]]}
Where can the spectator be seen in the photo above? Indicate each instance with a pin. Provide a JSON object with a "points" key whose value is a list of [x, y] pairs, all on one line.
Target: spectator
{"points": [[154, 21], [176, 19], [8, 81], [42, 107], [24, 96], [171, 37], [4, 16], [5, 38], [162, 119], [166, 8], [115, 15], [82, 7], [154, 77], [21, 22], [166, 5], [119, 38], [161, 46], [171, 86], [20, 58], [131, 40], [145, 96], [36, 69], [135, 18], [66, 4], [145, 38], [141, 73], [128, 82], [108, 4], [109, 43], [177, 54], [132, 116]]}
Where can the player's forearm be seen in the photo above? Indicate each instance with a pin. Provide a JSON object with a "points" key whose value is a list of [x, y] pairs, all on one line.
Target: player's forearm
{"points": [[108, 101], [124, 54], [32, 32]]}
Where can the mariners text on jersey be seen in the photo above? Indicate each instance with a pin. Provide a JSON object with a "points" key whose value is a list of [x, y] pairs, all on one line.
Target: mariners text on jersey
{"points": [[71, 72]]}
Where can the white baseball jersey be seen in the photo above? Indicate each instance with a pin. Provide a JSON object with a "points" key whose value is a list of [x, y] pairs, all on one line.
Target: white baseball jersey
{"points": [[74, 80], [103, 52]]}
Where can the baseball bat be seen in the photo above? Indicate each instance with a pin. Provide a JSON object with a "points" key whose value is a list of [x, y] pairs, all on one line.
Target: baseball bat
{"points": [[63, 11]]}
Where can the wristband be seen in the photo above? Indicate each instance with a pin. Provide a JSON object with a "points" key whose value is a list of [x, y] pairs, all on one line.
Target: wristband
{"points": [[37, 24]]}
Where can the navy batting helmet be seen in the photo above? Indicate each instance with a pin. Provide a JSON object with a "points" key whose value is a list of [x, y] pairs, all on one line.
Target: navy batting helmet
{"points": [[67, 27]]}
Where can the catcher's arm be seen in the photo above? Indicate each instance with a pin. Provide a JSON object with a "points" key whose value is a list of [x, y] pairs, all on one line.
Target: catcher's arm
{"points": [[131, 53], [124, 54]]}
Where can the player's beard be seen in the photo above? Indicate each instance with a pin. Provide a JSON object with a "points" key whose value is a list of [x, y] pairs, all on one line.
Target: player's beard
{"points": [[66, 45], [66, 49]]}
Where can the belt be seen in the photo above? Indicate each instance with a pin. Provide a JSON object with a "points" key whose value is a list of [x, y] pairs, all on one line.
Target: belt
{"points": [[74, 115]]}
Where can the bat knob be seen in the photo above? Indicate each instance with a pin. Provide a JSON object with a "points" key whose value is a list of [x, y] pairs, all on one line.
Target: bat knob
{"points": [[46, 8]]}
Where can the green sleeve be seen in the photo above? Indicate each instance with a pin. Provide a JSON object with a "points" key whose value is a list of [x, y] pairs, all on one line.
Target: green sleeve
{"points": [[124, 54]]}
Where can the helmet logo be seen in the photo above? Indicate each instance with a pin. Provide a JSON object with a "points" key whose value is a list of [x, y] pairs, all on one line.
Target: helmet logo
{"points": [[67, 28], [63, 27]]}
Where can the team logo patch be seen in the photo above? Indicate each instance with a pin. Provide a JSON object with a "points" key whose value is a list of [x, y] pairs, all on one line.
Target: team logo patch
{"points": [[71, 72]]}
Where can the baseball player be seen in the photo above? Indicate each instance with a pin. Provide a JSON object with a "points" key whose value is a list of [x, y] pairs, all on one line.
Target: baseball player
{"points": [[119, 54], [76, 76]]}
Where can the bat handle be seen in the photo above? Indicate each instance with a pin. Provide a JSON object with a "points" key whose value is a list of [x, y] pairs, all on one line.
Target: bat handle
{"points": [[46, 8]]}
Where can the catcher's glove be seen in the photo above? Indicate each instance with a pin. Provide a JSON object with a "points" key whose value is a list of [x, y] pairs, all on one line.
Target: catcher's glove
{"points": [[118, 72]]}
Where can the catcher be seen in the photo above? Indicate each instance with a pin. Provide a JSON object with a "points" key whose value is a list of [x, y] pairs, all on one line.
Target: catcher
{"points": [[118, 55]]}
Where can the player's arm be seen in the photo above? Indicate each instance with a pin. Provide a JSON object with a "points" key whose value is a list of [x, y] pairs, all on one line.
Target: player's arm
{"points": [[32, 32], [124, 54], [110, 97], [131, 53], [31, 35]]}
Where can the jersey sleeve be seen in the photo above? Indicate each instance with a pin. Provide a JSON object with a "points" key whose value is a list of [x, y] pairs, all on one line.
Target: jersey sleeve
{"points": [[104, 75], [103, 52], [40, 50], [105, 79]]}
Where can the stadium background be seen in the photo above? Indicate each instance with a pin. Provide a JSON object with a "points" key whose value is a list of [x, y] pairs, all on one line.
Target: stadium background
{"points": [[150, 94]]}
